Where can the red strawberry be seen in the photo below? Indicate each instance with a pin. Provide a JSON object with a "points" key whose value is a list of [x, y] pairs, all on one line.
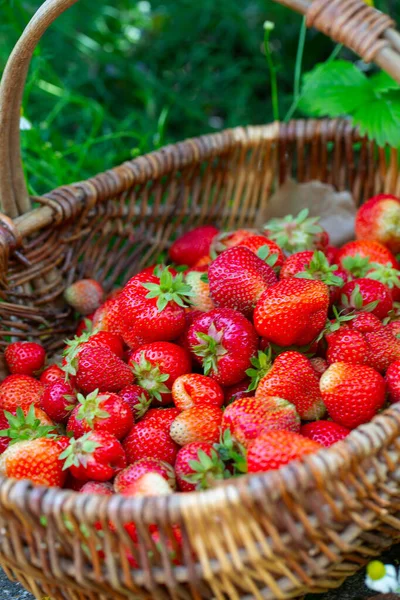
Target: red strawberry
{"points": [[292, 312], [145, 465], [197, 424], [379, 219], [365, 294], [146, 440], [200, 299], [57, 400], [74, 347], [295, 234], [19, 390], [365, 322], [326, 433], [196, 390], [230, 239], [238, 390], [85, 296], [85, 325], [4, 439], [223, 341], [96, 456], [137, 398], [331, 253], [273, 449], [393, 381], [355, 257], [51, 374], [238, 278], [99, 368], [101, 412], [149, 484], [97, 487], [156, 366], [387, 275], [292, 377], [315, 265], [265, 249], [36, 460], [193, 245], [106, 317], [353, 394], [25, 358], [198, 466], [161, 418], [151, 308], [384, 348], [347, 345], [247, 418]]}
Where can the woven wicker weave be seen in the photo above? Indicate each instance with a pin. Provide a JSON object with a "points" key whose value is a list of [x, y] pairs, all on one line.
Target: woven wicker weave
{"points": [[276, 535]]}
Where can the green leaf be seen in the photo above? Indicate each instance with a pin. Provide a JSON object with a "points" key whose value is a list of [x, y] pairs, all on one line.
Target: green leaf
{"points": [[382, 82], [334, 89], [379, 118]]}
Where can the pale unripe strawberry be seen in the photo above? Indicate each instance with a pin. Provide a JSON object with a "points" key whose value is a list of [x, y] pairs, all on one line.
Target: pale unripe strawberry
{"points": [[85, 296]]}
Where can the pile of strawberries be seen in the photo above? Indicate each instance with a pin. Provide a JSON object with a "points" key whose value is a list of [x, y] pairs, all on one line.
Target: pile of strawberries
{"points": [[251, 349]]}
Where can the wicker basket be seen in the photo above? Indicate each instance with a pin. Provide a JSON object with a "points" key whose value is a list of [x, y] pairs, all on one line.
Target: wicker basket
{"points": [[277, 535]]}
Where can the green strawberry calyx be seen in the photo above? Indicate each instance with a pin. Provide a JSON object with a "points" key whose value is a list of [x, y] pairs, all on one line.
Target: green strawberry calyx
{"points": [[319, 268], [232, 454], [142, 405], [271, 258], [355, 302], [27, 426], [386, 274], [71, 353], [210, 349], [205, 470], [294, 234], [261, 364], [169, 289], [150, 378], [394, 314], [357, 265], [90, 408], [332, 325], [79, 451]]}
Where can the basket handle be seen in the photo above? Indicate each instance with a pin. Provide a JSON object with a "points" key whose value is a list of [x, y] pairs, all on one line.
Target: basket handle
{"points": [[365, 30]]}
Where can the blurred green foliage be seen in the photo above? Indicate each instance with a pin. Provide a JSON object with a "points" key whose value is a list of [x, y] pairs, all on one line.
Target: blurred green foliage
{"points": [[111, 80]]}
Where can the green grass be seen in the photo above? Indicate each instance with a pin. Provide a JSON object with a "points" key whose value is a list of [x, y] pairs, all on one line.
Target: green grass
{"points": [[115, 79]]}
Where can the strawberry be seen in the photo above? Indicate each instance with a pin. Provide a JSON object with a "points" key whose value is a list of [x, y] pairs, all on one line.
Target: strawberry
{"points": [[315, 265], [365, 322], [161, 418], [196, 390], [101, 412], [273, 449], [347, 345], [74, 347], [85, 296], [137, 398], [157, 365], [384, 348], [326, 433], [367, 295], [19, 390], [102, 488], [25, 358], [387, 275], [319, 365], [379, 219], [230, 239], [331, 253], [265, 249], [99, 368], [238, 390], [96, 456], [198, 466], [27, 424], [193, 245], [292, 377], [200, 299], [247, 418], [4, 424], [295, 234], [85, 325], [139, 468], [106, 317], [392, 378], [223, 341], [353, 394], [58, 400], [151, 308], [36, 460], [197, 424], [149, 484], [292, 312], [51, 374], [238, 278], [146, 440], [354, 257]]}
